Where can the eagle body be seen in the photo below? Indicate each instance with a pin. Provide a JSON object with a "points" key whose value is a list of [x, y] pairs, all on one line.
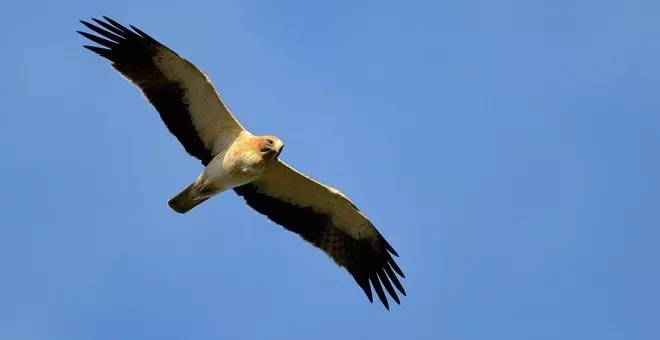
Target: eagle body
{"points": [[250, 165], [238, 163]]}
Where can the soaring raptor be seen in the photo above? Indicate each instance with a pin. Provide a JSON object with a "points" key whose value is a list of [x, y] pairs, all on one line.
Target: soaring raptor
{"points": [[248, 164]]}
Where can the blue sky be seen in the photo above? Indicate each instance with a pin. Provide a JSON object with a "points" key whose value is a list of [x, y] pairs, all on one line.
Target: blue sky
{"points": [[507, 149]]}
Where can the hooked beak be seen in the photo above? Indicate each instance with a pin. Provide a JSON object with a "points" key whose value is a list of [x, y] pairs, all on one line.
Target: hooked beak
{"points": [[279, 151]]}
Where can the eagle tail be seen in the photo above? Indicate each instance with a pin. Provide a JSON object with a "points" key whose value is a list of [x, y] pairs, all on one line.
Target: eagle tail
{"points": [[187, 199]]}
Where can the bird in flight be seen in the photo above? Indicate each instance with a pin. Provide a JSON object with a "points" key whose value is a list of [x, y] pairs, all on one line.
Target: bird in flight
{"points": [[250, 165]]}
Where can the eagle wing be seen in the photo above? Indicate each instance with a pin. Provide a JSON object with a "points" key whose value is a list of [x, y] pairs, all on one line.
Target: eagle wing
{"points": [[324, 217], [181, 93]]}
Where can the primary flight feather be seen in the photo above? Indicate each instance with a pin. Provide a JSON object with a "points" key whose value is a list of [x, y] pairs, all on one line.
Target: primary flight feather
{"points": [[248, 164]]}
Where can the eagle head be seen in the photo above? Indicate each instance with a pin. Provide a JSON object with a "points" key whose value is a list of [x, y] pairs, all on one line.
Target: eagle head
{"points": [[269, 146], [263, 151]]}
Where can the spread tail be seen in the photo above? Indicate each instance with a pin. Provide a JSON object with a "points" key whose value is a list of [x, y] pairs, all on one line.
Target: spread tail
{"points": [[187, 199]]}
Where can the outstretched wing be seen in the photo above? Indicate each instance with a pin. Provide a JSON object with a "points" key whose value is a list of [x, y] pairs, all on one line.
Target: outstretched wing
{"points": [[324, 217], [183, 95]]}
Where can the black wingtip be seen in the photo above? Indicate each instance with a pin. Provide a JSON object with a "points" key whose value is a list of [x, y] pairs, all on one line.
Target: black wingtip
{"points": [[96, 49], [116, 24], [108, 29], [388, 286], [379, 291], [364, 284], [395, 266], [390, 248], [98, 40], [145, 35]]}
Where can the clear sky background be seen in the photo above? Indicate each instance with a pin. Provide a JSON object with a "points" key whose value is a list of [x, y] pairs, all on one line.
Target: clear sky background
{"points": [[507, 149]]}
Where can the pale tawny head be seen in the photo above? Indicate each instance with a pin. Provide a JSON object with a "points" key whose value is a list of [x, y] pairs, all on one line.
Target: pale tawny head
{"points": [[269, 146]]}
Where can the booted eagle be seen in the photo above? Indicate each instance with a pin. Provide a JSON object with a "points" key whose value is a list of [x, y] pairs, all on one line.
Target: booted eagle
{"points": [[248, 164]]}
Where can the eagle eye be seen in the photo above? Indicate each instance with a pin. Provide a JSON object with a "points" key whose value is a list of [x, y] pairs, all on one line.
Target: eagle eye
{"points": [[269, 141]]}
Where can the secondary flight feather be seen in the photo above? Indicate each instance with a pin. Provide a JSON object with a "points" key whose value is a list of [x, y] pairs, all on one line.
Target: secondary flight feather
{"points": [[250, 165]]}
